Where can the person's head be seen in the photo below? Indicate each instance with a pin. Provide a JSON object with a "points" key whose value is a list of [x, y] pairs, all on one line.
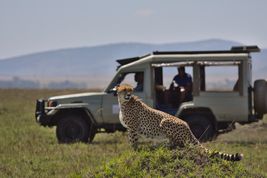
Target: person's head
{"points": [[181, 70]]}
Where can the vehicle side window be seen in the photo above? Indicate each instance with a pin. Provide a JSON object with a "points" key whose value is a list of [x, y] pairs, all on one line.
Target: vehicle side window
{"points": [[135, 79], [221, 78]]}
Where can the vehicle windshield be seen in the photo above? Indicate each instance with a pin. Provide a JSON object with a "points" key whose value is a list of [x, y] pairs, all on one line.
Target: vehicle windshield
{"points": [[135, 79]]}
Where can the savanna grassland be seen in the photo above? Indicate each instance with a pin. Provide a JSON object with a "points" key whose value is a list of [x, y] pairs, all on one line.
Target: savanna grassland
{"points": [[28, 150]]}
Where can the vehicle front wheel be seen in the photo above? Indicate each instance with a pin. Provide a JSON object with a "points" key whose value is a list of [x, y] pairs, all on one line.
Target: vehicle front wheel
{"points": [[201, 127], [74, 128]]}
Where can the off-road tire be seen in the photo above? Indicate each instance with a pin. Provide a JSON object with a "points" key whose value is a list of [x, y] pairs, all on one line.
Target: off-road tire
{"points": [[260, 96], [74, 128], [201, 127]]}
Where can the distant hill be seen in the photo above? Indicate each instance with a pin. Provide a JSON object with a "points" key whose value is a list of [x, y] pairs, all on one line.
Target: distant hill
{"points": [[96, 65]]}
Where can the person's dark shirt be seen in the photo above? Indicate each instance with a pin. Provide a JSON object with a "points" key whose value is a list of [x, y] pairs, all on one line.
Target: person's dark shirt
{"points": [[184, 82], [187, 79]]}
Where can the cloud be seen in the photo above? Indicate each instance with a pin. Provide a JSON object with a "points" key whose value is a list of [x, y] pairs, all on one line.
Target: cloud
{"points": [[144, 12]]}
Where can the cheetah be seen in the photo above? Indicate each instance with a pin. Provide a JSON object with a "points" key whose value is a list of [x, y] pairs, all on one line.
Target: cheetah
{"points": [[142, 120]]}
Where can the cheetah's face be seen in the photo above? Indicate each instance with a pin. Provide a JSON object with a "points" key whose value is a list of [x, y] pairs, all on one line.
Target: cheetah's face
{"points": [[125, 93]]}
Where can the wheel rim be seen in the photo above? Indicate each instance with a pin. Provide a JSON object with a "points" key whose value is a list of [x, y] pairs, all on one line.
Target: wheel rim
{"points": [[73, 128], [73, 131]]}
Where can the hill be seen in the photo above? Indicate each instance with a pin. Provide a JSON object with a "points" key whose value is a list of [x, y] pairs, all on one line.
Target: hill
{"points": [[94, 66]]}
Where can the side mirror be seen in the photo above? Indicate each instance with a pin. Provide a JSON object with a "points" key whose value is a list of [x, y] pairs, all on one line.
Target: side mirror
{"points": [[114, 91]]}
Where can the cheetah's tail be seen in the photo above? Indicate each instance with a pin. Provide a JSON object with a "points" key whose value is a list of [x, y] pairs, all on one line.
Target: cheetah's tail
{"points": [[225, 156]]}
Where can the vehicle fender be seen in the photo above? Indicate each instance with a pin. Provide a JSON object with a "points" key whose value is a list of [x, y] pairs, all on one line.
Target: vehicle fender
{"points": [[189, 109], [73, 108]]}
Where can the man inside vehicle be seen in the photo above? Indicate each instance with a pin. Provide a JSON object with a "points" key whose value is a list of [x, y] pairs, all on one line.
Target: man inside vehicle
{"points": [[182, 85]]}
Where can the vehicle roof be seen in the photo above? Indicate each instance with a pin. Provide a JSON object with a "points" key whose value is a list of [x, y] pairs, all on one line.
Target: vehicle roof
{"points": [[233, 51]]}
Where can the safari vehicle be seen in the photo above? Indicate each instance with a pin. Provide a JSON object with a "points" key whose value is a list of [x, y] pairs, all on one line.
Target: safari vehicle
{"points": [[222, 93]]}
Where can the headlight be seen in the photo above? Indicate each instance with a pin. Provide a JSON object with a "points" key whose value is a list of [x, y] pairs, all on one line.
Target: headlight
{"points": [[52, 103]]}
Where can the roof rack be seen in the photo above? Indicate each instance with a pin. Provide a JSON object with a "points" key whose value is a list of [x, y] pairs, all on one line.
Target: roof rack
{"points": [[233, 50], [129, 60], [254, 48]]}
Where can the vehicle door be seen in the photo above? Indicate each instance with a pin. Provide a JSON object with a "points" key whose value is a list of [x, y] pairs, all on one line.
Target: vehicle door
{"points": [[223, 92]]}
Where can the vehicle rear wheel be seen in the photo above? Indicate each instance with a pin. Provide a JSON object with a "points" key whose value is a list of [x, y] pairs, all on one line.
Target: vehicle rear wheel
{"points": [[201, 127], [74, 128], [260, 96]]}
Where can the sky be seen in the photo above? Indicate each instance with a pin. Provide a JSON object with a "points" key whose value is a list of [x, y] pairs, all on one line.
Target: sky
{"points": [[29, 26]]}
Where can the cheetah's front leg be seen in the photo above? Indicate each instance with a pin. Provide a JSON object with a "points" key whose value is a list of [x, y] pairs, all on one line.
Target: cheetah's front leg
{"points": [[133, 137]]}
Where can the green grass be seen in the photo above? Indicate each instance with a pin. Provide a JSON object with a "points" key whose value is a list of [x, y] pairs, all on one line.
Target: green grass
{"points": [[162, 162], [29, 150]]}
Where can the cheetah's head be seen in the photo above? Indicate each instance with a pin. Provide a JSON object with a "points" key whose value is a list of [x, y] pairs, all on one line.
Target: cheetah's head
{"points": [[125, 93]]}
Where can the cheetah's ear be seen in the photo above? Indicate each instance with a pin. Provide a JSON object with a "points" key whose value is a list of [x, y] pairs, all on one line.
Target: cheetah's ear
{"points": [[119, 88], [115, 90], [130, 89], [116, 87]]}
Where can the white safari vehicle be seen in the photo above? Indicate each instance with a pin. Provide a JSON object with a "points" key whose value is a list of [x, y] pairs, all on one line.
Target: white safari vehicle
{"points": [[222, 93]]}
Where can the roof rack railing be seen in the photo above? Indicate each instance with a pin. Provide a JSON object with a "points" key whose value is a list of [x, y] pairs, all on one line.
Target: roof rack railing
{"points": [[254, 48], [234, 49]]}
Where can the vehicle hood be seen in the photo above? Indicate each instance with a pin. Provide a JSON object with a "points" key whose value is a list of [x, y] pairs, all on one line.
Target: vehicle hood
{"points": [[77, 95], [92, 98]]}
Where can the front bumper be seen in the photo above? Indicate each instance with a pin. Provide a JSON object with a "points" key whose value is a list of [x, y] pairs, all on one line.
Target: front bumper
{"points": [[41, 115]]}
